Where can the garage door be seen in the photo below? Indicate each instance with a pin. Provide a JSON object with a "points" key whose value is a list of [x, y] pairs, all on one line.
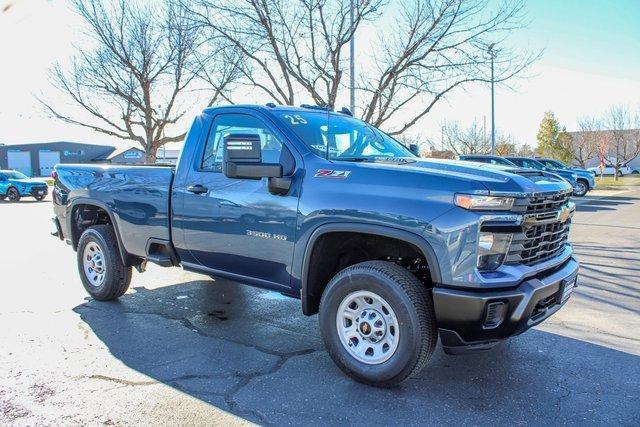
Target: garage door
{"points": [[48, 159], [20, 161]]}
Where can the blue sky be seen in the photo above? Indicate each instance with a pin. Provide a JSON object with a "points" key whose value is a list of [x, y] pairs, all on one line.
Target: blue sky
{"points": [[590, 63], [596, 35]]}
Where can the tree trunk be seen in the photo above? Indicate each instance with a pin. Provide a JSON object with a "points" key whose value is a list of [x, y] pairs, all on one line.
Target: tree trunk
{"points": [[150, 155]]}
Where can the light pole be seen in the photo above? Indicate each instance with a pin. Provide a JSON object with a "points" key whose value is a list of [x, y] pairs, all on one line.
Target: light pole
{"points": [[352, 63], [492, 54]]}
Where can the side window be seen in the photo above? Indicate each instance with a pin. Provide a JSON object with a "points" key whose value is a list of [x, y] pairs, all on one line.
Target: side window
{"points": [[226, 124]]}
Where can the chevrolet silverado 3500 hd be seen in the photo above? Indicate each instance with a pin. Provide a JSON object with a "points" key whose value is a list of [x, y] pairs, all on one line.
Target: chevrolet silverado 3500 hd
{"points": [[393, 251]]}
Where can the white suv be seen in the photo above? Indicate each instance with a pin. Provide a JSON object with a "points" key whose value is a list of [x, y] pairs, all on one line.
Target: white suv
{"points": [[610, 170]]}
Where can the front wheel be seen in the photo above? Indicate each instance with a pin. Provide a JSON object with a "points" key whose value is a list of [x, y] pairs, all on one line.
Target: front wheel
{"points": [[13, 195], [378, 323], [620, 174], [39, 198], [103, 274], [580, 189]]}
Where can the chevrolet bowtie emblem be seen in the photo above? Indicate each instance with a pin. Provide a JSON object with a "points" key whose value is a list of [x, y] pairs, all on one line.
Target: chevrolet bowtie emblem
{"points": [[564, 214]]}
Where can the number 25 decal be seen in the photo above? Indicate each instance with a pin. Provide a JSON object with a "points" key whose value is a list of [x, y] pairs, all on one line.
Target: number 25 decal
{"points": [[296, 119]]}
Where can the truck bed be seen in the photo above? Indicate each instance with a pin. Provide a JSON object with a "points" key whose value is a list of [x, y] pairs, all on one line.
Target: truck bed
{"points": [[138, 198]]}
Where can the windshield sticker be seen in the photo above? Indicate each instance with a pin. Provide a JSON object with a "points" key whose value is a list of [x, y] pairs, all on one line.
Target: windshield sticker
{"points": [[295, 119], [328, 173]]}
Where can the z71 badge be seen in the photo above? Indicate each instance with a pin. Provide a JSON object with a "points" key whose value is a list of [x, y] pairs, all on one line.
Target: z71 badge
{"points": [[328, 173]]}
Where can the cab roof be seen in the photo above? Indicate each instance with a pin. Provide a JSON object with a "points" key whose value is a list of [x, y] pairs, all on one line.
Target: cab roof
{"points": [[271, 108]]}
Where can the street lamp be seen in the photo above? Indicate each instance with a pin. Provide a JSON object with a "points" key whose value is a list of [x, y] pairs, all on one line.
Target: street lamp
{"points": [[492, 54], [352, 63]]}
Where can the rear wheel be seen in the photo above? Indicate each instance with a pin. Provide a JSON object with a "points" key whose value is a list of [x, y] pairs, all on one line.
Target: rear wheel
{"points": [[620, 174], [378, 323], [13, 195], [103, 274], [581, 188]]}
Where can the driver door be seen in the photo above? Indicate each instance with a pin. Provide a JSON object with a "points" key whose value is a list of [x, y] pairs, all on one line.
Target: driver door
{"points": [[236, 225]]}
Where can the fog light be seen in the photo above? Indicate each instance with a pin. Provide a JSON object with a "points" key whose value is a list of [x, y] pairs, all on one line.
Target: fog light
{"points": [[492, 250], [495, 315]]}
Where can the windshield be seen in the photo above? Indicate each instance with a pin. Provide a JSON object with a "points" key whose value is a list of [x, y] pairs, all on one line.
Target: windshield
{"points": [[338, 137], [534, 164], [555, 164], [16, 175]]}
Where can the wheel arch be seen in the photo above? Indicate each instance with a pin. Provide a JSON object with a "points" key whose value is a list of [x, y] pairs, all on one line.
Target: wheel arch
{"points": [[310, 303], [75, 232]]}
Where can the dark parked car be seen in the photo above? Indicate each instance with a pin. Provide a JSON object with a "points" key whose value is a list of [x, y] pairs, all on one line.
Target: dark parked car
{"points": [[585, 182], [530, 163], [391, 250], [494, 160]]}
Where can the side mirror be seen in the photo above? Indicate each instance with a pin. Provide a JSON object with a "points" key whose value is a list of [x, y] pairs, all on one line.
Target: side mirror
{"points": [[243, 158], [414, 149]]}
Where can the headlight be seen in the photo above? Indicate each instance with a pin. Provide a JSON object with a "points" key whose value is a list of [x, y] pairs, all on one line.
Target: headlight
{"points": [[492, 249], [476, 202]]}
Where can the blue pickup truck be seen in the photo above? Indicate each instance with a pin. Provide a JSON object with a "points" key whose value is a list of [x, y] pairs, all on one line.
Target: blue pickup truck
{"points": [[391, 250]]}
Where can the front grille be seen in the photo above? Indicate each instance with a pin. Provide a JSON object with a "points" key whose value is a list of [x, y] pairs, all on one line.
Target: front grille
{"points": [[541, 204], [544, 231], [35, 190]]}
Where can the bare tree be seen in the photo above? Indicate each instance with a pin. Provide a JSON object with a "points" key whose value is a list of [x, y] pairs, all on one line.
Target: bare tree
{"points": [[584, 145], [525, 150], [133, 84], [469, 140], [623, 137], [297, 48], [434, 48], [290, 46]]}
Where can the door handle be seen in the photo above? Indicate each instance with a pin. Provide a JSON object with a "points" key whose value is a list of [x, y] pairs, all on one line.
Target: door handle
{"points": [[197, 189]]}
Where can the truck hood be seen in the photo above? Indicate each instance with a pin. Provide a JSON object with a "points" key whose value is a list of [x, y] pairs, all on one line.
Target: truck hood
{"points": [[486, 178]]}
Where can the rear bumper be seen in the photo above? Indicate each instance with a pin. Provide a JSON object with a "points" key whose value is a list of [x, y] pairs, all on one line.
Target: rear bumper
{"points": [[477, 320]]}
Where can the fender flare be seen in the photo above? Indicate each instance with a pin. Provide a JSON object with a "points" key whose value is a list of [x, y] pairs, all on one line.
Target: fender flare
{"points": [[422, 244], [126, 257]]}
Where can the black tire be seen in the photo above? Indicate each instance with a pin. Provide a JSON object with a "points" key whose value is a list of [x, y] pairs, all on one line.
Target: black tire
{"points": [[13, 195], [117, 276], [39, 198], [410, 301], [581, 189], [2, 197], [620, 175]]}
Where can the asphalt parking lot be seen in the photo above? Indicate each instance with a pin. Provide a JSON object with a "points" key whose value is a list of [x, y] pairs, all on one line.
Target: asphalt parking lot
{"points": [[181, 348]]}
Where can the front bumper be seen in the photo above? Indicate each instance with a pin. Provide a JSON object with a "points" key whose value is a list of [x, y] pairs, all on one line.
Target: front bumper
{"points": [[38, 191], [467, 319]]}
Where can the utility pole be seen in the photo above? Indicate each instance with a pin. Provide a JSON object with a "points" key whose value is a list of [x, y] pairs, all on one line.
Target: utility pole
{"points": [[493, 102], [352, 60]]}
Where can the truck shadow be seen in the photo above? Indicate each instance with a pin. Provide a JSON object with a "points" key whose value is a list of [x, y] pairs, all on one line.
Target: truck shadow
{"points": [[607, 203], [251, 352]]}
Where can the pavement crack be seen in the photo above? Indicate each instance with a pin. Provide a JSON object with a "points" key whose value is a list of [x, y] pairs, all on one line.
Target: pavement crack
{"points": [[245, 379], [120, 381]]}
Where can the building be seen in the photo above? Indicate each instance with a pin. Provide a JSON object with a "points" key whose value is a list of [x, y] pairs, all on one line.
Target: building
{"points": [[122, 156], [39, 159]]}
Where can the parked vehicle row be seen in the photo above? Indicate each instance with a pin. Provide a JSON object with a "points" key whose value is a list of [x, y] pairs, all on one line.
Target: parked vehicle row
{"points": [[14, 185], [581, 180], [393, 251]]}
